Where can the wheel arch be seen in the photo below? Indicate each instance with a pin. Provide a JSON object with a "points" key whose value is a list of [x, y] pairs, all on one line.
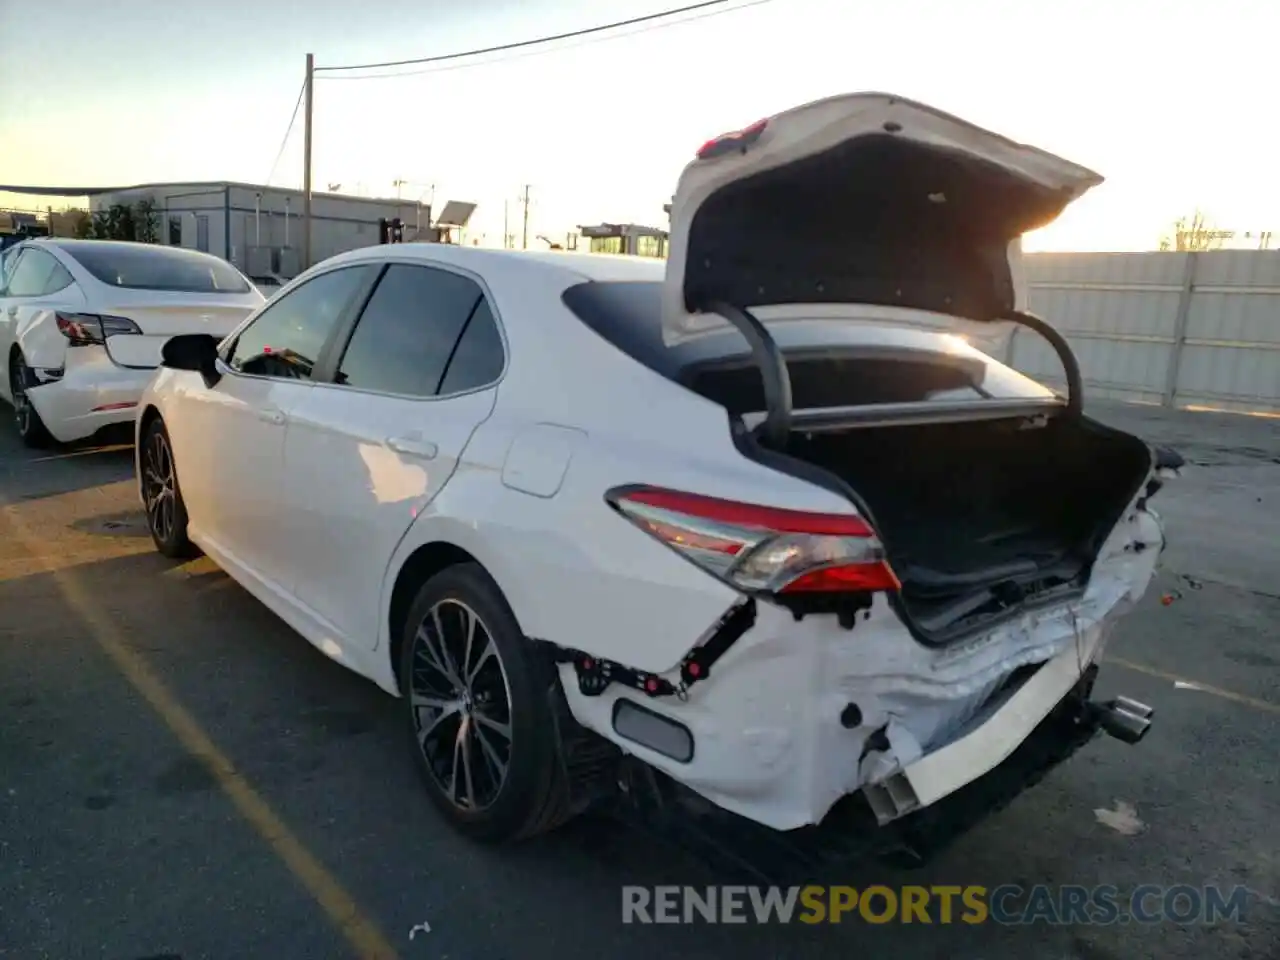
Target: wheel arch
{"points": [[425, 562], [148, 415], [14, 354]]}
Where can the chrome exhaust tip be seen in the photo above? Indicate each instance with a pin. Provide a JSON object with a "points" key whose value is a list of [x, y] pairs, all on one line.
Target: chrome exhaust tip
{"points": [[1125, 719]]}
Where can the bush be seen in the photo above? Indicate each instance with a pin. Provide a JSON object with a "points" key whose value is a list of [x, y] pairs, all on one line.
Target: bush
{"points": [[123, 222]]}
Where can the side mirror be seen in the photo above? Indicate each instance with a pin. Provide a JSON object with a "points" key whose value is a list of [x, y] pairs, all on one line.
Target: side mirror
{"points": [[193, 351]]}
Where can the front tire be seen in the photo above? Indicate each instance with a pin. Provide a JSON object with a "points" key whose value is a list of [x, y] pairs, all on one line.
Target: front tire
{"points": [[476, 696], [31, 429], [161, 495]]}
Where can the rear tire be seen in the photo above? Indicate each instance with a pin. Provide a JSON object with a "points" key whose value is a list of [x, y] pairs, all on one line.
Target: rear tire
{"points": [[31, 429], [162, 497], [479, 713]]}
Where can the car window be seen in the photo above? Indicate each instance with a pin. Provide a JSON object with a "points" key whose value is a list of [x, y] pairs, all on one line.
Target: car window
{"points": [[59, 279], [32, 274], [7, 259], [477, 360], [408, 330], [286, 339], [140, 266]]}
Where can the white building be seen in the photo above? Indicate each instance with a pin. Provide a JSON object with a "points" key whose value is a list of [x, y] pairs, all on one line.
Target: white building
{"points": [[259, 228]]}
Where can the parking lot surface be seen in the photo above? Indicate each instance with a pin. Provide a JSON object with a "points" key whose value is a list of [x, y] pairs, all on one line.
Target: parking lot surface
{"points": [[181, 776]]}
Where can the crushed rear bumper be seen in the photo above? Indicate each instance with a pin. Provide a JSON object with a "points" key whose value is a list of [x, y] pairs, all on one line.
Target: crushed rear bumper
{"points": [[93, 392], [851, 832]]}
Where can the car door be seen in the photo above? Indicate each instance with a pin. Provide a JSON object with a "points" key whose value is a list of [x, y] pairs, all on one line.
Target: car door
{"points": [[369, 451], [229, 438]]}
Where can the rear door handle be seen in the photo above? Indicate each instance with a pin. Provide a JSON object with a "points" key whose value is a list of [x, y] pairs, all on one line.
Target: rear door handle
{"points": [[413, 447], [271, 416], [13, 311]]}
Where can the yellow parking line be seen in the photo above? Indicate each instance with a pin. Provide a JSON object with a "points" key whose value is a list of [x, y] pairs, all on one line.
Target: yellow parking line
{"points": [[360, 932], [1241, 698], [115, 448]]}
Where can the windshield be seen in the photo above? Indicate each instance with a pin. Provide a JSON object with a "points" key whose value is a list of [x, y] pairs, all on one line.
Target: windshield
{"points": [[146, 267]]}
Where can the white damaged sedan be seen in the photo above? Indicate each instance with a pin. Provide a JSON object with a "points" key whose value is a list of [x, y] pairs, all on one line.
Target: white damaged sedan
{"points": [[754, 539], [82, 323]]}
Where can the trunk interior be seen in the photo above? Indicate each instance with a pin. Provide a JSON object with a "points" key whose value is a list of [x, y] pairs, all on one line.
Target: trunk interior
{"points": [[980, 517]]}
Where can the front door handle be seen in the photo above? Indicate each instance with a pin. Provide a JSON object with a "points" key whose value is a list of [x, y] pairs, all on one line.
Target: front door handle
{"points": [[413, 447], [13, 311], [271, 416]]}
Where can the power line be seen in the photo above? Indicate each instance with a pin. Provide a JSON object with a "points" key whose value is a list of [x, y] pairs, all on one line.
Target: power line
{"points": [[287, 130], [537, 53], [538, 41]]}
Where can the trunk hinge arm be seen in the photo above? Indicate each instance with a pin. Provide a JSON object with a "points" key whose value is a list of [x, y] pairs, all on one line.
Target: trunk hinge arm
{"points": [[1070, 366], [776, 429]]}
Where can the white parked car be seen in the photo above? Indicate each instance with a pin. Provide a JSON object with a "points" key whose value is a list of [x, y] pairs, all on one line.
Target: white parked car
{"points": [[755, 529], [82, 322]]}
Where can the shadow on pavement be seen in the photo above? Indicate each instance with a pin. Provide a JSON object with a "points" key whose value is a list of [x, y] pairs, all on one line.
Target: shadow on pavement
{"points": [[101, 797], [27, 475]]}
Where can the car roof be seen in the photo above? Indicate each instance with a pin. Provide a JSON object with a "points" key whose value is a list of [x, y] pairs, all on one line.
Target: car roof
{"points": [[71, 245], [582, 266]]}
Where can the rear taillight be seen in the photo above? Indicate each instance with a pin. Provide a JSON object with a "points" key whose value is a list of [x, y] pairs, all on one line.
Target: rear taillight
{"points": [[762, 549], [83, 329]]}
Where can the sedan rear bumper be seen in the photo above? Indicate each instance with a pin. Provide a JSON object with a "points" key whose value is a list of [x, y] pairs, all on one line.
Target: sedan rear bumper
{"points": [[850, 833], [997, 735], [796, 716], [92, 393]]}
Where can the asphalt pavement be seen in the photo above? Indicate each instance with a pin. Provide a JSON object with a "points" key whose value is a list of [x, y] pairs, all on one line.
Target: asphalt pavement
{"points": [[181, 776]]}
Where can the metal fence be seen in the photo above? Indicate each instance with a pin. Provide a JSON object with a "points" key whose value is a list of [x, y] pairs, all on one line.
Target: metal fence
{"points": [[1177, 329]]}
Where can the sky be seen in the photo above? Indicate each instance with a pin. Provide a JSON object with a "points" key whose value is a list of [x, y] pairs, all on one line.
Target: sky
{"points": [[1173, 101]]}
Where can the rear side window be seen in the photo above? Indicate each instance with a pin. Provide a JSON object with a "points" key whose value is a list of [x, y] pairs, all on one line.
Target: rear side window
{"points": [[408, 332], [477, 360], [59, 279], [150, 267], [7, 260], [36, 274]]}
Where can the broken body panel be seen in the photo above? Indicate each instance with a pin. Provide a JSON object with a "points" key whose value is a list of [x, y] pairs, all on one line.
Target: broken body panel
{"points": [[869, 208]]}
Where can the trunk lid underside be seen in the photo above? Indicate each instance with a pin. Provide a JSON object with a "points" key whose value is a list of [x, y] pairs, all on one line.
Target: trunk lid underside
{"points": [[862, 199]]}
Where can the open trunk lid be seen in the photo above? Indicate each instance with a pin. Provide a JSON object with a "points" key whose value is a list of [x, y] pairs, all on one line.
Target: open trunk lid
{"points": [[860, 200]]}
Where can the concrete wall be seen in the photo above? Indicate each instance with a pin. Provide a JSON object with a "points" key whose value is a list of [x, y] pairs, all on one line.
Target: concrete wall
{"points": [[1178, 329]]}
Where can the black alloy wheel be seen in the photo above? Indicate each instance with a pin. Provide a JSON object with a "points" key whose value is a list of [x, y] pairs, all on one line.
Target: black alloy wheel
{"points": [[31, 429], [161, 496], [461, 701]]}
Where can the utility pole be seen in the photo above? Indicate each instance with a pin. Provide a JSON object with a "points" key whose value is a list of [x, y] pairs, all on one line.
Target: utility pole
{"points": [[524, 235], [309, 91], [506, 225]]}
